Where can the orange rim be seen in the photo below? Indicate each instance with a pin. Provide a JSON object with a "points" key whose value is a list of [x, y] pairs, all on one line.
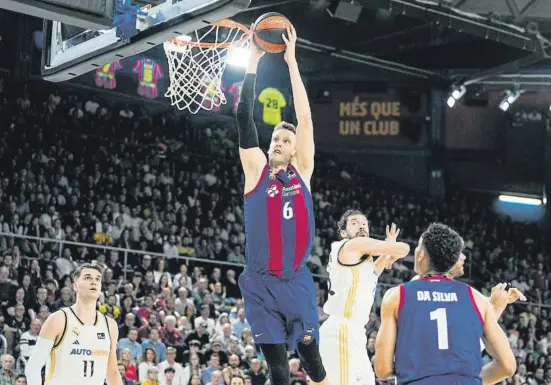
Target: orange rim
{"points": [[225, 23]]}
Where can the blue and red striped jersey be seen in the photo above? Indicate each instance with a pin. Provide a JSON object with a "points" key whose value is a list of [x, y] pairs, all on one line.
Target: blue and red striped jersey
{"points": [[279, 223]]}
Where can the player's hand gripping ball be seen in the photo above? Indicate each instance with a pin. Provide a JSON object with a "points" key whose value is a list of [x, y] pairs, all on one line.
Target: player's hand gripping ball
{"points": [[268, 31]]}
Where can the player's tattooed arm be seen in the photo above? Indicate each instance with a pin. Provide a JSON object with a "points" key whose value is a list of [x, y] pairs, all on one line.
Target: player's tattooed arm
{"points": [[305, 128], [385, 343], [113, 376]]}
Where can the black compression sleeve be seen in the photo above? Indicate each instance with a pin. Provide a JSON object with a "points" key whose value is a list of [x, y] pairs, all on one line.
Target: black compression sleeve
{"points": [[248, 137]]}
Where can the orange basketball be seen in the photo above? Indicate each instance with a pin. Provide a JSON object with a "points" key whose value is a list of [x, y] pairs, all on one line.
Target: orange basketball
{"points": [[268, 29]]}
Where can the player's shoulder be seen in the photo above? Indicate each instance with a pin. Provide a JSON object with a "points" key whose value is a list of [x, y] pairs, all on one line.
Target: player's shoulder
{"points": [[390, 305], [393, 295], [57, 316], [480, 299], [337, 246], [55, 325], [338, 257]]}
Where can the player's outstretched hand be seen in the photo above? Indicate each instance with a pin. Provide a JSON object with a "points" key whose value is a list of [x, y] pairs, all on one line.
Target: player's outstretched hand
{"points": [[514, 294], [392, 233], [501, 297], [291, 41], [498, 298]]}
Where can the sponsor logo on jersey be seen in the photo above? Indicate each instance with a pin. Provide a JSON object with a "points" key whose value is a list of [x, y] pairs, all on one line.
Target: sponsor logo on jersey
{"points": [[272, 191], [101, 336], [290, 190], [89, 352], [76, 342], [291, 174]]}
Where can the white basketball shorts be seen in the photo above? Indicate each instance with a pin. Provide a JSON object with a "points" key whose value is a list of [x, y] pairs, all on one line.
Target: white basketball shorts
{"points": [[344, 353]]}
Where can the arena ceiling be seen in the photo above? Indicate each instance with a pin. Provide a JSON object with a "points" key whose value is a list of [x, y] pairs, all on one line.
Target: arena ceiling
{"points": [[444, 42]]}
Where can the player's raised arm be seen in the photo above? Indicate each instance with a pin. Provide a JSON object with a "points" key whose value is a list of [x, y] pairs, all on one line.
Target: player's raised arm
{"points": [[305, 128], [504, 364], [368, 246], [385, 344], [50, 336], [252, 157]]}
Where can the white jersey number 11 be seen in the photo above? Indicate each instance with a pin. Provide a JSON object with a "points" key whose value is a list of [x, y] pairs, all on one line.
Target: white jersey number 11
{"points": [[441, 327]]}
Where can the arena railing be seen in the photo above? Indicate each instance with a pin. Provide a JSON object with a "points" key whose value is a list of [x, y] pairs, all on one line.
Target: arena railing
{"points": [[60, 245], [104, 249]]}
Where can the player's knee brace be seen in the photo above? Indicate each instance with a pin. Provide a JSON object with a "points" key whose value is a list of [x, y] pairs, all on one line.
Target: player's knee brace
{"points": [[276, 356], [311, 360]]}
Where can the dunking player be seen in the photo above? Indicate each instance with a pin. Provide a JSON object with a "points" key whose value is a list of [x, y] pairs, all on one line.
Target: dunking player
{"points": [[353, 276], [277, 287], [78, 344], [431, 327]]}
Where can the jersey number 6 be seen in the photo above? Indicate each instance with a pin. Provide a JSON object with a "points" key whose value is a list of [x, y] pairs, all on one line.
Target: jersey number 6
{"points": [[287, 210], [88, 368]]}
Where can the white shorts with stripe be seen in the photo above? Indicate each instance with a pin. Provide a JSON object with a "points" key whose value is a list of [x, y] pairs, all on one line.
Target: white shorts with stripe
{"points": [[344, 353]]}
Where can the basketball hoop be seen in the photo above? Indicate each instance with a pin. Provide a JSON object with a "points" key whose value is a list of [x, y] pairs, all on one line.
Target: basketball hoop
{"points": [[196, 64]]}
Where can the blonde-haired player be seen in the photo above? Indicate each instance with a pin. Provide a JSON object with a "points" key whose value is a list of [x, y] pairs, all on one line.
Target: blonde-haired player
{"points": [[353, 276], [77, 343]]}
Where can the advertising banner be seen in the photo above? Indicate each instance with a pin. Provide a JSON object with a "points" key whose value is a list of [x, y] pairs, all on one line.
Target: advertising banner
{"points": [[370, 119]]}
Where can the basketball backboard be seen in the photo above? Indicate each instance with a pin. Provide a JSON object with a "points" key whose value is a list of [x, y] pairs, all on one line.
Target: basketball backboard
{"points": [[69, 52], [92, 14]]}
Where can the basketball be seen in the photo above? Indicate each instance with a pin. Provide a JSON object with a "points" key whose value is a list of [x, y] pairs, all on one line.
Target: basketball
{"points": [[268, 29]]}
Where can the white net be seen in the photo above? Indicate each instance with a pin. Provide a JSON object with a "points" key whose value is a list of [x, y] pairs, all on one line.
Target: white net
{"points": [[196, 64]]}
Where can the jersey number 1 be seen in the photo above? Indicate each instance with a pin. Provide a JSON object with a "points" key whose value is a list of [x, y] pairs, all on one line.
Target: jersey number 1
{"points": [[88, 368], [439, 315]]}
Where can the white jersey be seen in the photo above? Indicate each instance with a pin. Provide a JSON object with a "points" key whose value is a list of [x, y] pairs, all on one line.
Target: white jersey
{"points": [[342, 335], [80, 357], [351, 288]]}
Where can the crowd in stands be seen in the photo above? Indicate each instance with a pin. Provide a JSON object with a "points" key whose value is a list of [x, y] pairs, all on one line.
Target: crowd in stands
{"points": [[74, 170]]}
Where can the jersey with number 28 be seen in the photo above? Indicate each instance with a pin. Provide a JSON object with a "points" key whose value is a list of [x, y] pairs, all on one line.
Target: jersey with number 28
{"points": [[81, 356], [279, 223], [439, 330]]}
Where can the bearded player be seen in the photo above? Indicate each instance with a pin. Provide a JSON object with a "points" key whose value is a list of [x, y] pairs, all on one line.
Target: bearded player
{"points": [[277, 287], [77, 344], [431, 327], [353, 276]]}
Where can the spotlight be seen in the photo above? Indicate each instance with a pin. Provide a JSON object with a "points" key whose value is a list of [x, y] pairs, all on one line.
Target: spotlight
{"points": [[508, 99], [455, 95], [520, 200]]}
